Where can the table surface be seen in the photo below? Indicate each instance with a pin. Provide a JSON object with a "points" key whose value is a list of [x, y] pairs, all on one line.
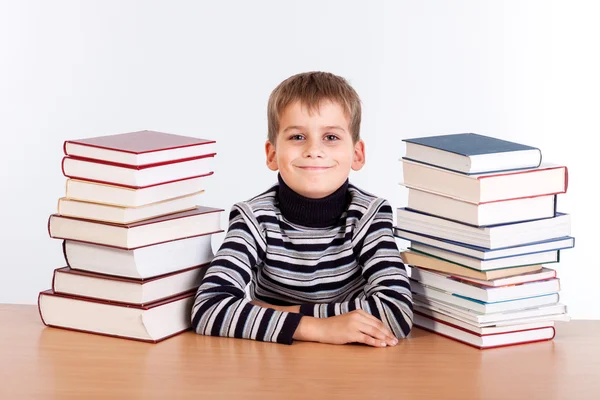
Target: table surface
{"points": [[42, 362]]}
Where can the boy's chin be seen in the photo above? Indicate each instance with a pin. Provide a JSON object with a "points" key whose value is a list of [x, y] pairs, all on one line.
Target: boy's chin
{"points": [[316, 193]]}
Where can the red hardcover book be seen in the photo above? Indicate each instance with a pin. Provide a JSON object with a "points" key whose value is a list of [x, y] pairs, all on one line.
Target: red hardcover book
{"points": [[484, 341], [150, 323], [196, 222], [139, 148]]}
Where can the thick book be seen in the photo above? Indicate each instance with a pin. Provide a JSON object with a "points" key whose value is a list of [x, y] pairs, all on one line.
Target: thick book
{"points": [[417, 259], [489, 329], [125, 215], [139, 148], [136, 177], [470, 153], [549, 245], [122, 196], [196, 222], [491, 237], [485, 188], [482, 293], [116, 289], [542, 274], [429, 255], [486, 341], [485, 214], [553, 312], [421, 291], [150, 323], [142, 262]]}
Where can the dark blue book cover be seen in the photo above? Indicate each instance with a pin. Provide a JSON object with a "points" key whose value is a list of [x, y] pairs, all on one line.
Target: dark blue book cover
{"points": [[469, 144]]}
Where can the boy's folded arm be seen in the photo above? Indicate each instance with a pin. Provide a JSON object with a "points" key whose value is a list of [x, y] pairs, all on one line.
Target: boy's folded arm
{"points": [[220, 307], [387, 294]]}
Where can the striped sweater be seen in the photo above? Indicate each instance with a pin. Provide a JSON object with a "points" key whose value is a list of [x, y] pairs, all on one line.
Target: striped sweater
{"points": [[352, 264]]}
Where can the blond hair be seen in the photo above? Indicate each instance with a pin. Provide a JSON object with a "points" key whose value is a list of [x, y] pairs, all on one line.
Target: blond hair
{"points": [[312, 88]]}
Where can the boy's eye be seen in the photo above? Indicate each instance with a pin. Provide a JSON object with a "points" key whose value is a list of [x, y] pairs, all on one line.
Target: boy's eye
{"points": [[297, 137], [331, 137]]}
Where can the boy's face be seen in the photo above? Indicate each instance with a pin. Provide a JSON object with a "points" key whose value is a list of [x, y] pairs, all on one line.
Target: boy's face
{"points": [[314, 153]]}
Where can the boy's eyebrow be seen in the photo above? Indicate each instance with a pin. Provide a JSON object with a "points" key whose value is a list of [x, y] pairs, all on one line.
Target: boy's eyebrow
{"points": [[289, 128], [335, 127]]}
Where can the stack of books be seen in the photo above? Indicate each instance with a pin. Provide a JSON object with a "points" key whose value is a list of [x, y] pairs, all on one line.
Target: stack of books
{"points": [[484, 231], [135, 240]]}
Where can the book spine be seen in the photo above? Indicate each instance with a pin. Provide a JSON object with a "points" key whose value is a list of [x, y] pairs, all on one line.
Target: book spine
{"points": [[140, 167], [64, 249], [40, 308]]}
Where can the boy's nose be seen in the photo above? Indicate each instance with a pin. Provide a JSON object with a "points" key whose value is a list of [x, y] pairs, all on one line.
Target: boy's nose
{"points": [[313, 149]]}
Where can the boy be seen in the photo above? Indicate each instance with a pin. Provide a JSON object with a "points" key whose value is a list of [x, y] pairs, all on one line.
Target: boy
{"points": [[316, 253]]}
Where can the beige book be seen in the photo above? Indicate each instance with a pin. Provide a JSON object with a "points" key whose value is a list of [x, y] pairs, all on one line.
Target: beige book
{"points": [[436, 264], [125, 215]]}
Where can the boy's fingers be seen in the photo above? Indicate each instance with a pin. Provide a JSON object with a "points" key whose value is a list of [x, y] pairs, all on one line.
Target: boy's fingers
{"points": [[371, 341], [371, 320]]}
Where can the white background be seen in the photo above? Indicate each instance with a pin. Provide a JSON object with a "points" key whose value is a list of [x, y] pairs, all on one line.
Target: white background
{"points": [[526, 71]]}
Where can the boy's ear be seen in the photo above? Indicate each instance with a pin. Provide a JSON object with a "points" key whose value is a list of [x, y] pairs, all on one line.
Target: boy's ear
{"points": [[359, 155], [271, 156]]}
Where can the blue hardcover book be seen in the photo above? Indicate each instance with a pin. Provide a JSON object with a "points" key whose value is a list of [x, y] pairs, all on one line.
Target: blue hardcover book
{"points": [[470, 153]]}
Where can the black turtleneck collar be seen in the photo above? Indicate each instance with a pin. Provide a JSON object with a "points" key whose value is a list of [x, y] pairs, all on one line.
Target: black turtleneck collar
{"points": [[313, 213]]}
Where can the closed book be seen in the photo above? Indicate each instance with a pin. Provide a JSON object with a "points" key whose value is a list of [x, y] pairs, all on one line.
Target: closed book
{"points": [[139, 148], [484, 214], [116, 289], [122, 196], [481, 307], [428, 254], [554, 312], [417, 259], [150, 323], [196, 222], [471, 153], [491, 237], [486, 341], [125, 215], [543, 274], [490, 329], [482, 253], [483, 293], [485, 188], [142, 262], [136, 177]]}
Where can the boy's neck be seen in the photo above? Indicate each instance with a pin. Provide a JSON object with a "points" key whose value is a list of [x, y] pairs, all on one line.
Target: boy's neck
{"points": [[314, 213]]}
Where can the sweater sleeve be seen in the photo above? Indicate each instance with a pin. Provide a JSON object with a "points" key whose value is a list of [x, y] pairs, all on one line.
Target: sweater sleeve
{"points": [[220, 306], [386, 294]]}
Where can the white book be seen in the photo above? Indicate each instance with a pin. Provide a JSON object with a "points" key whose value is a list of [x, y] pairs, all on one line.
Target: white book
{"points": [[484, 214], [557, 312], [128, 197], [488, 340], [196, 222], [486, 294], [492, 237], [142, 262], [489, 329], [480, 306], [151, 323], [482, 188], [125, 215], [136, 177], [126, 290]]}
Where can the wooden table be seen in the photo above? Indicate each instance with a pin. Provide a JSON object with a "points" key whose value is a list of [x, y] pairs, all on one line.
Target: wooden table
{"points": [[41, 362]]}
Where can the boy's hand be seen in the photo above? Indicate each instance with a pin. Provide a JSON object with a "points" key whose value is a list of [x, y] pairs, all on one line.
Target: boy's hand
{"points": [[357, 326]]}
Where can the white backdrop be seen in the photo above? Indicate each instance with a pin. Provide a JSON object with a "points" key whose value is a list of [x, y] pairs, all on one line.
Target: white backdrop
{"points": [[525, 71]]}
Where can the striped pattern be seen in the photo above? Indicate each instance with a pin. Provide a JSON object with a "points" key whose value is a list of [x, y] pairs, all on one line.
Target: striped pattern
{"points": [[327, 271]]}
